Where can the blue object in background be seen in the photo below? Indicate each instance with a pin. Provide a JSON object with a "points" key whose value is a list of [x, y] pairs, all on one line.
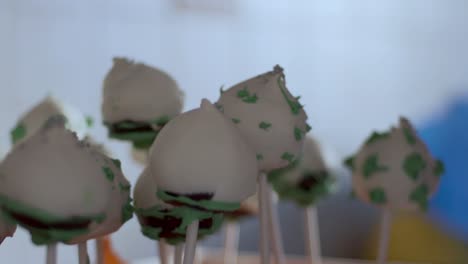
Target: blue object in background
{"points": [[447, 138]]}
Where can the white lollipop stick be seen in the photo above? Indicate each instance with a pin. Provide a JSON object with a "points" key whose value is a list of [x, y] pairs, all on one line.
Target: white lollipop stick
{"points": [[99, 250], [275, 229], [264, 238], [179, 252], [231, 242], [51, 254], [163, 252], [312, 233], [191, 242], [82, 253], [385, 226]]}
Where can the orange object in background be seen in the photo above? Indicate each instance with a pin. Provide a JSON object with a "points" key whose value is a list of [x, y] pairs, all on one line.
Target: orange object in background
{"points": [[110, 256]]}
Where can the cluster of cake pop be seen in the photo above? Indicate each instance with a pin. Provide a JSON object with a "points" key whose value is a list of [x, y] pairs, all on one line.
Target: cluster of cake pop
{"points": [[200, 166]]}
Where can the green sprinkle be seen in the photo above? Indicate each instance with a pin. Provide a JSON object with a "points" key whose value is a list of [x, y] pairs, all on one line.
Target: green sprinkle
{"points": [[127, 210], [18, 133], [246, 97], [420, 196], [378, 196], [294, 105], [288, 156], [108, 172], [298, 134], [221, 91], [259, 157], [308, 128], [220, 107], [371, 166], [264, 125], [413, 165], [117, 163], [349, 162], [439, 169], [235, 120], [124, 187], [89, 121], [376, 136], [410, 138]]}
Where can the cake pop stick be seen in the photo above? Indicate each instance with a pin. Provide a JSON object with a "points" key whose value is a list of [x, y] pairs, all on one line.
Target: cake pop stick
{"points": [[163, 252], [385, 226], [264, 225], [82, 253], [231, 242], [312, 235], [274, 227], [179, 253], [191, 242], [99, 250], [51, 254], [273, 122], [395, 171]]}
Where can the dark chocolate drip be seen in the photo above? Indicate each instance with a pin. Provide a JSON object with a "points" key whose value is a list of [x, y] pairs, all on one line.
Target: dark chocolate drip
{"points": [[168, 223], [206, 223], [194, 196], [137, 127], [312, 179], [25, 220]]}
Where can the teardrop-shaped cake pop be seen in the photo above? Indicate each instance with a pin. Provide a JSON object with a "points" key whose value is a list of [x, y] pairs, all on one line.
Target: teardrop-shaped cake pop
{"points": [[395, 169], [138, 101], [269, 117]]}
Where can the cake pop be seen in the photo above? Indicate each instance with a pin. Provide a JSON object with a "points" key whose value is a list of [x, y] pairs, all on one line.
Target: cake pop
{"points": [[33, 120], [138, 101], [217, 180]]}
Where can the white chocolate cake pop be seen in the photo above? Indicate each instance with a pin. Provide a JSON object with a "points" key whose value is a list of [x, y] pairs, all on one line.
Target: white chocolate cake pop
{"points": [[270, 118], [201, 160], [7, 229], [395, 169], [306, 180], [159, 220], [33, 120], [56, 186], [138, 101]]}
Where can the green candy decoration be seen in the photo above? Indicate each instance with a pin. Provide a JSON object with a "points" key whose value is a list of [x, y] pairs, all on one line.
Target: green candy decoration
{"points": [[376, 136], [349, 162], [378, 196], [109, 174], [246, 97], [259, 157], [203, 204], [439, 169], [89, 121], [420, 196], [410, 138], [117, 163], [298, 134], [127, 210], [219, 107], [235, 120], [288, 157], [371, 166], [264, 125], [293, 104], [413, 165], [18, 133]]}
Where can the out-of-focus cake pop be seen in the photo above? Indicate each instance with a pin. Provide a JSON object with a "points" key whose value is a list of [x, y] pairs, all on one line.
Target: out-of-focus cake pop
{"points": [[7, 228], [395, 169], [138, 100], [33, 120]]}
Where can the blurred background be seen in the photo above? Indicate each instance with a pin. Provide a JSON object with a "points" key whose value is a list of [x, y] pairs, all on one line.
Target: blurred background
{"points": [[358, 66]]}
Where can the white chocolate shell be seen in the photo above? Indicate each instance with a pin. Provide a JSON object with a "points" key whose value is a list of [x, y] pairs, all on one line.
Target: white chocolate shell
{"points": [[268, 116], [137, 92], [201, 151]]}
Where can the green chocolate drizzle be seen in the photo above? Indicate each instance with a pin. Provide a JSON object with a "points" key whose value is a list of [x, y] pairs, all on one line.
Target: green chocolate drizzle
{"points": [[376, 136], [298, 134], [420, 196], [127, 210], [246, 97], [219, 107], [371, 166], [410, 138], [18, 133], [378, 196], [221, 91], [124, 187], [259, 157], [294, 105], [288, 157], [204, 204], [109, 173], [89, 121], [161, 121], [349, 162], [117, 163], [264, 125], [413, 165], [439, 169], [308, 128], [235, 120]]}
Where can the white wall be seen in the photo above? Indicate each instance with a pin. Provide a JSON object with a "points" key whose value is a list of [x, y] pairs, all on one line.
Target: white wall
{"points": [[357, 64]]}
